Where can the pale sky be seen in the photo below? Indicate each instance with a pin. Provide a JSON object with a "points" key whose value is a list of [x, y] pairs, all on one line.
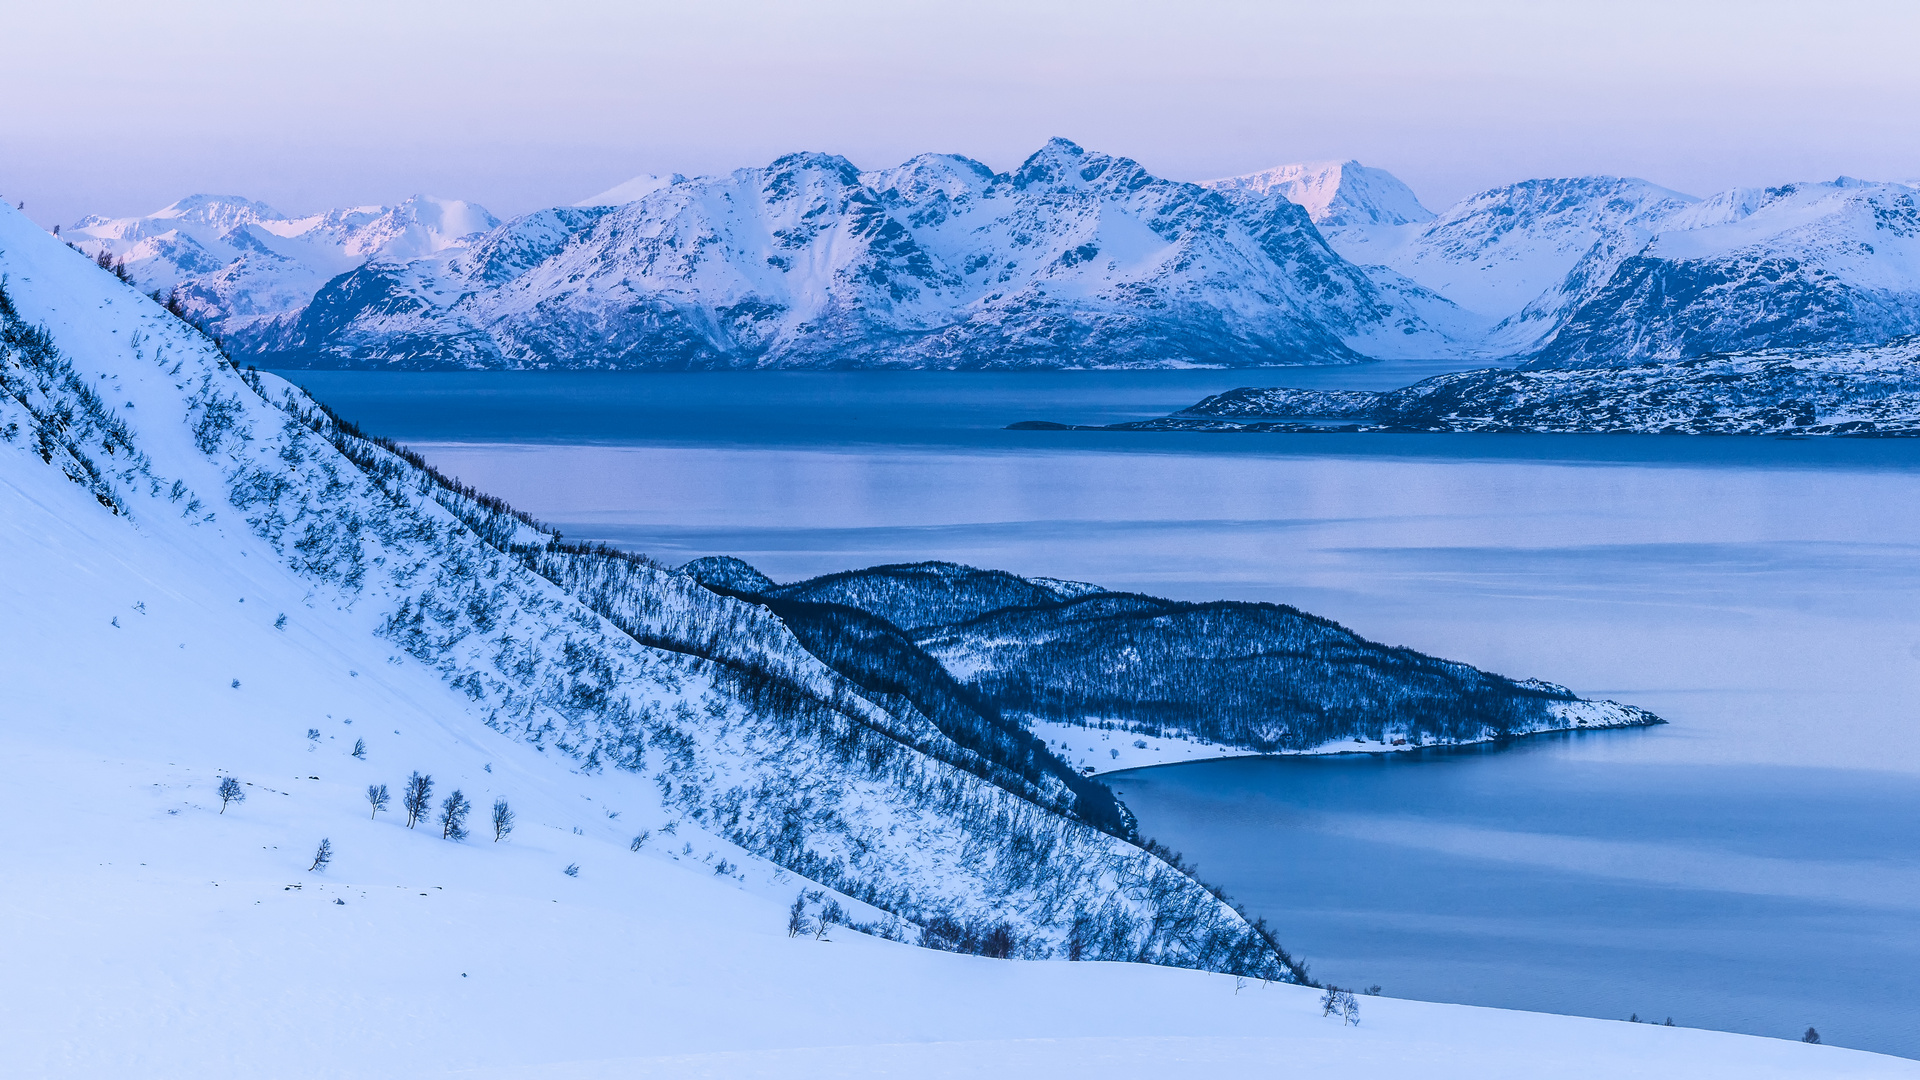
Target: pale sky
{"points": [[121, 107]]}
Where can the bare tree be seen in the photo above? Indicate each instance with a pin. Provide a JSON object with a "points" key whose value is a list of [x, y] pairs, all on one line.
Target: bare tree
{"points": [[377, 798], [1341, 1003], [230, 792], [322, 855], [797, 916], [418, 799], [453, 816], [502, 820], [360, 749]]}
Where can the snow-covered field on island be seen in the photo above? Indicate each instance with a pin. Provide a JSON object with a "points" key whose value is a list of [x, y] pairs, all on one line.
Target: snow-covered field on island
{"points": [[159, 639], [1099, 749]]}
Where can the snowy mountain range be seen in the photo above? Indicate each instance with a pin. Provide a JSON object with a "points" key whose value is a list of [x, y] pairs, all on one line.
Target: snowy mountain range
{"points": [[1074, 259]]}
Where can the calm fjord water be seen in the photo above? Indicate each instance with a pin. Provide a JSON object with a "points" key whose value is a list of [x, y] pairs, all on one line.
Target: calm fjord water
{"points": [[1753, 866]]}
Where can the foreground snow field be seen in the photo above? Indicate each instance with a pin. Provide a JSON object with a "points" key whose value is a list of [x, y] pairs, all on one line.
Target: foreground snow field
{"points": [[152, 933], [158, 944]]}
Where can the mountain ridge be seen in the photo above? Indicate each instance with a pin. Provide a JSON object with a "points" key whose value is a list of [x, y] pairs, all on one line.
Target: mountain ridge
{"points": [[1072, 259]]}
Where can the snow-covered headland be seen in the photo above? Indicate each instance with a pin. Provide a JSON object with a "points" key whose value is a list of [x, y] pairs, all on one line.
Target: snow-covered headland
{"points": [[1111, 681], [207, 577]]}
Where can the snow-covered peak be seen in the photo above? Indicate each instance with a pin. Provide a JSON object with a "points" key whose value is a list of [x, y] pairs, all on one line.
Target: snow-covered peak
{"points": [[632, 190], [930, 175], [215, 211], [422, 225], [1063, 165], [1336, 192], [236, 260]]}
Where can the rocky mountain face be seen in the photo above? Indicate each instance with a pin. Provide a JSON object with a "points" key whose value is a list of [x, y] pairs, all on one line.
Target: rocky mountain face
{"points": [[1604, 270], [1804, 265]]}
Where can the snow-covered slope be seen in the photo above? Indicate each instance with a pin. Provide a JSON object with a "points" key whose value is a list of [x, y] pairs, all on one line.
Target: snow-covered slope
{"points": [[1076, 259], [238, 263], [1336, 193], [206, 578]]}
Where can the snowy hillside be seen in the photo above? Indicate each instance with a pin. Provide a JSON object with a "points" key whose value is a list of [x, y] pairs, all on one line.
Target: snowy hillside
{"points": [[208, 578], [239, 263], [710, 719]]}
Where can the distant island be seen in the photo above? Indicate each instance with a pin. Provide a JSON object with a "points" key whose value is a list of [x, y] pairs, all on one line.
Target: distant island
{"points": [[1868, 391]]}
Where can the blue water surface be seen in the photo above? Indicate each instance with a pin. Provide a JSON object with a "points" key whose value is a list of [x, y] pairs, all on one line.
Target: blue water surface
{"points": [[1753, 866]]}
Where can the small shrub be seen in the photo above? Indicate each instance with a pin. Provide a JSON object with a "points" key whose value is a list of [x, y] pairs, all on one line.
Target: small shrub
{"points": [[1811, 1036], [322, 855], [230, 792], [453, 816], [572, 870], [1341, 1003], [418, 799]]}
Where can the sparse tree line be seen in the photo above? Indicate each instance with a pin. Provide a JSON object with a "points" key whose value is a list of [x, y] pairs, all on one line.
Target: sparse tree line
{"points": [[417, 800]]}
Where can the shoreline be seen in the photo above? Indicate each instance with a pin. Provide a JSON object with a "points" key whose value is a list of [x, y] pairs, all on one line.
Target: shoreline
{"points": [[1083, 746]]}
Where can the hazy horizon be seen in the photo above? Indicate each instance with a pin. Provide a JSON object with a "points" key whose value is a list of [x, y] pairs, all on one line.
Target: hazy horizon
{"points": [[305, 109]]}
